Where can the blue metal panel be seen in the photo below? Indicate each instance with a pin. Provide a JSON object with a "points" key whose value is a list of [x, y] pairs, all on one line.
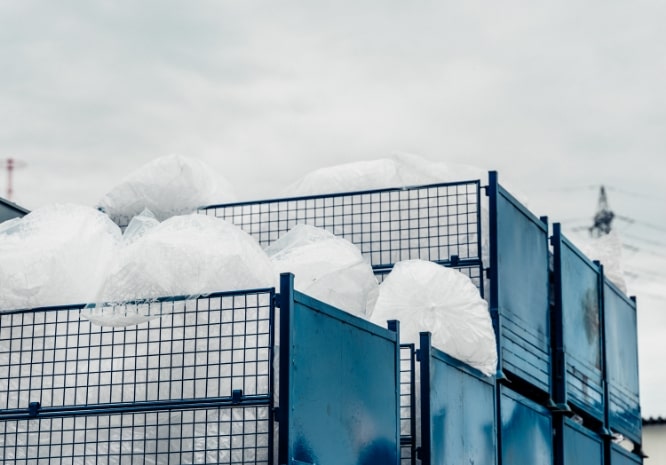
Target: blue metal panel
{"points": [[577, 445], [526, 432], [622, 363], [577, 328], [342, 404], [519, 287], [620, 456], [457, 411]]}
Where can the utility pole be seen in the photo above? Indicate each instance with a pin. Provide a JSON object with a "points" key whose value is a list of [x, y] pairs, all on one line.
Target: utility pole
{"points": [[603, 217], [10, 164]]}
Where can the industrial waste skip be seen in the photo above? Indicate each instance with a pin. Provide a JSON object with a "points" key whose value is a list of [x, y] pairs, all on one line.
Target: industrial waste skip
{"points": [[274, 376]]}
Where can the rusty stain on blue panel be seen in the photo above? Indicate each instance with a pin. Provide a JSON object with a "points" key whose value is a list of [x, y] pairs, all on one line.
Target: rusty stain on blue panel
{"points": [[577, 330], [519, 293]]}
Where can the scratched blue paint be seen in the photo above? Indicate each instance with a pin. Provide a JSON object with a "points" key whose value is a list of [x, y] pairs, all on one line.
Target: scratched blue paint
{"points": [[580, 445], [527, 431], [578, 329], [622, 359], [620, 456], [343, 382], [461, 411], [519, 296]]}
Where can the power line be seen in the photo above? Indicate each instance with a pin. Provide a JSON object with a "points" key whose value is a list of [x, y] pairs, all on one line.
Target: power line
{"points": [[644, 240], [635, 194], [608, 187], [643, 271]]}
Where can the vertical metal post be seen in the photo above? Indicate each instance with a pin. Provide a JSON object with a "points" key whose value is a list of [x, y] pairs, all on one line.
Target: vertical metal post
{"points": [[493, 270], [426, 431], [271, 378], [559, 372], [286, 303], [493, 276], [394, 326]]}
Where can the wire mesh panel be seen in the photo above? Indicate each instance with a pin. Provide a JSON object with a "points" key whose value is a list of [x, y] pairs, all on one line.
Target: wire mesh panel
{"points": [[238, 435], [432, 222], [407, 404], [199, 348], [201, 368]]}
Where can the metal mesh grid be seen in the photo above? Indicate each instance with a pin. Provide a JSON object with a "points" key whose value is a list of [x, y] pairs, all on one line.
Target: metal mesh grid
{"points": [[238, 435], [199, 348], [407, 405], [428, 222]]}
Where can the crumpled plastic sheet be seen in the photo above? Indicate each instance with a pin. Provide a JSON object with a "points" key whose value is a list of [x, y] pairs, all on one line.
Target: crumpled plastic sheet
{"points": [[326, 267], [167, 186], [55, 255], [607, 249], [400, 170], [425, 296], [187, 255], [139, 226]]}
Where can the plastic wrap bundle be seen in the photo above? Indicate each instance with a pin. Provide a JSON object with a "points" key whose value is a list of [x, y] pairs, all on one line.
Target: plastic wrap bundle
{"points": [[327, 268], [397, 171], [139, 226], [608, 250], [167, 186], [425, 296], [402, 170], [185, 255], [56, 255]]}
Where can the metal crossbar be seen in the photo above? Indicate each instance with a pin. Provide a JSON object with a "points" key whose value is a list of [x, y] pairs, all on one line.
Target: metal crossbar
{"points": [[435, 222], [206, 356], [238, 435]]}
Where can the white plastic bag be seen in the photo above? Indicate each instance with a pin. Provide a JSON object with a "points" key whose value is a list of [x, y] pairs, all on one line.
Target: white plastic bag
{"points": [[400, 170], [167, 186], [425, 296], [326, 267], [55, 255], [139, 226], [187, 255]]}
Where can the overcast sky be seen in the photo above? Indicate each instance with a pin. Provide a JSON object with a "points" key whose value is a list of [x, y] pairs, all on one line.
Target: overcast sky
{"points": [[557, 97]]}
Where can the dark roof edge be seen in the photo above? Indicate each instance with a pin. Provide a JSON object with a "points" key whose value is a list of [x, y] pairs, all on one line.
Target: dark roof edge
{"points": [[13, 206], [654, 421]]}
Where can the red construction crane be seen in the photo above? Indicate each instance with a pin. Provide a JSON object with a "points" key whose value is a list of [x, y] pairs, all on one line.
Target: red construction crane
{"points": [[10, 164]]}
